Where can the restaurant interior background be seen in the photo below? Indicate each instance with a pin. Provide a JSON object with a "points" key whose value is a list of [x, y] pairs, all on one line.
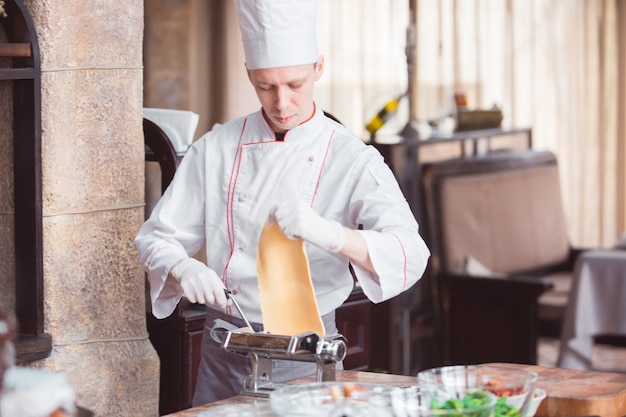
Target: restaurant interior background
{"points": [[557, 67], [554, 66]]}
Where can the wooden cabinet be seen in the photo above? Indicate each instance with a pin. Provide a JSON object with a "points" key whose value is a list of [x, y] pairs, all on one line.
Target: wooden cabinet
{"points": [[177, 339], [354, 322]]}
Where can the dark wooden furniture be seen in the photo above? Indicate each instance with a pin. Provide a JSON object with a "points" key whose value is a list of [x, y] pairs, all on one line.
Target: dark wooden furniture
{"points": [[503, 210], [354, 322], [160, 149], [177, 339], [408, 327], [32, 343]]}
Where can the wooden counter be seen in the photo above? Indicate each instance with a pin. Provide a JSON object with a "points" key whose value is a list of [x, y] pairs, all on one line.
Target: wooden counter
{"points": [[570, 393], [580, 393], [348, 376]]}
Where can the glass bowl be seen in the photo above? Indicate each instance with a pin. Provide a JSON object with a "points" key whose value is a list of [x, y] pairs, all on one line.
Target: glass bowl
{"points": [[344, 399], [512, 385], [538, 397], [259, 408], [418, 402], [321, 399]]}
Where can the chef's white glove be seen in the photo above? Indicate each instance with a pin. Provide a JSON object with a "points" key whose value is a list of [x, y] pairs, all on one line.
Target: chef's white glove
{"points": [[298, 220], [200, 283]]}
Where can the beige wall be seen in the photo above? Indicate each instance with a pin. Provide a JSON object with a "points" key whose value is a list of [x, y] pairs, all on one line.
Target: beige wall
{"points": [[93, 199], [194, 60], [188, 46]]}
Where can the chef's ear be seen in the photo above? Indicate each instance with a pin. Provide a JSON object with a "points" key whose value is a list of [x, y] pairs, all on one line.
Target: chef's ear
{"points": [[319, 68]]}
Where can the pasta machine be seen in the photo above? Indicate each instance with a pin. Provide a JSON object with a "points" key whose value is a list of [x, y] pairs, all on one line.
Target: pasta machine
{"points": [[262, 348]]}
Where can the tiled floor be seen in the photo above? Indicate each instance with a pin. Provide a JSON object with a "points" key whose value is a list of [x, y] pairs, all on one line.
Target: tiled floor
{"points": [[605, 357]]}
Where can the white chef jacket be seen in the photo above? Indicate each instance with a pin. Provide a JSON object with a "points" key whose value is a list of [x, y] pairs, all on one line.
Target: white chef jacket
{"points": [[230, 179]]}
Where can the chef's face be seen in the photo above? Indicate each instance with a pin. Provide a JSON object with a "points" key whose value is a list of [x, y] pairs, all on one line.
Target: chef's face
{"points": [[286, 93]]}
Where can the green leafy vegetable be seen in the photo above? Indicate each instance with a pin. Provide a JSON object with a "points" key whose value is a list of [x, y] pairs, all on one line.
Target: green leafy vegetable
{"points": [[476, 399], [504, 409]]}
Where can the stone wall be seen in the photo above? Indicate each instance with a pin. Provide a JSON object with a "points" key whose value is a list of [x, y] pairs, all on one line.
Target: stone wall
{"points": [[93, 202], [94, 86], [7, 206]]}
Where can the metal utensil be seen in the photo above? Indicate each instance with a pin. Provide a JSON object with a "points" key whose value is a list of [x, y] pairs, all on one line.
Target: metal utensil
{"points": [[229, 294]]}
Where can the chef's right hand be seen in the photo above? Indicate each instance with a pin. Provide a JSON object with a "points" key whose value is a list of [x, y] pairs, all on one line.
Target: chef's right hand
{"points": [[200, 283]]}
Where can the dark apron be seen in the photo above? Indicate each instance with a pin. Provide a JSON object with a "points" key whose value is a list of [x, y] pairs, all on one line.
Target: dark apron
{"points": [[221, 373]]}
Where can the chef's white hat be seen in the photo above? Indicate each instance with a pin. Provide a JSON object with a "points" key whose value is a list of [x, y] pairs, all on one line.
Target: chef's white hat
{"points": [[278, 33]]}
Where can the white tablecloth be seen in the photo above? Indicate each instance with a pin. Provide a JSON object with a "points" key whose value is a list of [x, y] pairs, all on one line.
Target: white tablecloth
{"points": [[597, 306]]}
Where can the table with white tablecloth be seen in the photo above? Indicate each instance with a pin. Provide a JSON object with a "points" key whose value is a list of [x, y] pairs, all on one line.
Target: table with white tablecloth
{"points": [[597, 306]]}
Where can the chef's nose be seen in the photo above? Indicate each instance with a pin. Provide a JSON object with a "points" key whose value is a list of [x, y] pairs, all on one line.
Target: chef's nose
{"points": [[282, 98]]}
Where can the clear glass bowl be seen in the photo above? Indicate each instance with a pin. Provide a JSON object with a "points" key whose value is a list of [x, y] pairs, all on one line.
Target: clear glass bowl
{"points": [[512, 383], [418, 402], [330, 399], [260, 408], [343, 399], [538, 397]]}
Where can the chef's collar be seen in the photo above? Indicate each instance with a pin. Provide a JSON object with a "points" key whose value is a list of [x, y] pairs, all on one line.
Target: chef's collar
{"points": [[311, 127]]}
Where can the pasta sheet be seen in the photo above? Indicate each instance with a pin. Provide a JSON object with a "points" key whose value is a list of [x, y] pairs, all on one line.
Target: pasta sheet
{"points": [[288, 303]]}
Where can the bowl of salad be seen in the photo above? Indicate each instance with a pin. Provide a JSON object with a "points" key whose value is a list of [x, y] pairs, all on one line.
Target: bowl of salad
{"points": [[512, 386], [418, 402]]}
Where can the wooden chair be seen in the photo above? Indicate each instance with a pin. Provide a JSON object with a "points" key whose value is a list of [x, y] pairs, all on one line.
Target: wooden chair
{"points": [[501, 255], [159, 148]]}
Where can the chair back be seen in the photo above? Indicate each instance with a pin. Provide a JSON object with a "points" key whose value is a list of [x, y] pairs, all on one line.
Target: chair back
{"points": [[504, 210]]}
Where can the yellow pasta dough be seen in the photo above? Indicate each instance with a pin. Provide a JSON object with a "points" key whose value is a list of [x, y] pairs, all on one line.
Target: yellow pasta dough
{"points": [[288, 303]]}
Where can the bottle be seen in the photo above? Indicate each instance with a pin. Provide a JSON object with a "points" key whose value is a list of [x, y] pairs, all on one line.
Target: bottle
{"points": [[383, 115]]}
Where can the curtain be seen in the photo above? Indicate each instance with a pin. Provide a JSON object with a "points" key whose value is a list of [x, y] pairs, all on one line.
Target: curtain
{"points": [[363, 44], [549, 65]]}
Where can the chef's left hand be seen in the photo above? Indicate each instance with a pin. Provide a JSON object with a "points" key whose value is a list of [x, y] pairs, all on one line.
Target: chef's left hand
{"points": [[298, 220]]}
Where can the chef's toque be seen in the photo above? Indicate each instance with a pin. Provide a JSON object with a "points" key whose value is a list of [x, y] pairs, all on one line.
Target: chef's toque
{"points": [[278, 33]]}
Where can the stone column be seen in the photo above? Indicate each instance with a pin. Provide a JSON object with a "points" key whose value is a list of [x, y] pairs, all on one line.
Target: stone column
{"points": [[93, 202]]}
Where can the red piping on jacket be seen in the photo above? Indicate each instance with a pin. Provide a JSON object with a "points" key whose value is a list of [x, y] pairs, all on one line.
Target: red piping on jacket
{"points": [[404, 255], [149, 263], [229, 206], [322, 167]]}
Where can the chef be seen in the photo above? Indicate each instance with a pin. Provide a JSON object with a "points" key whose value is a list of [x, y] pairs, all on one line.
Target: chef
{"points": [[288, 164]]}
